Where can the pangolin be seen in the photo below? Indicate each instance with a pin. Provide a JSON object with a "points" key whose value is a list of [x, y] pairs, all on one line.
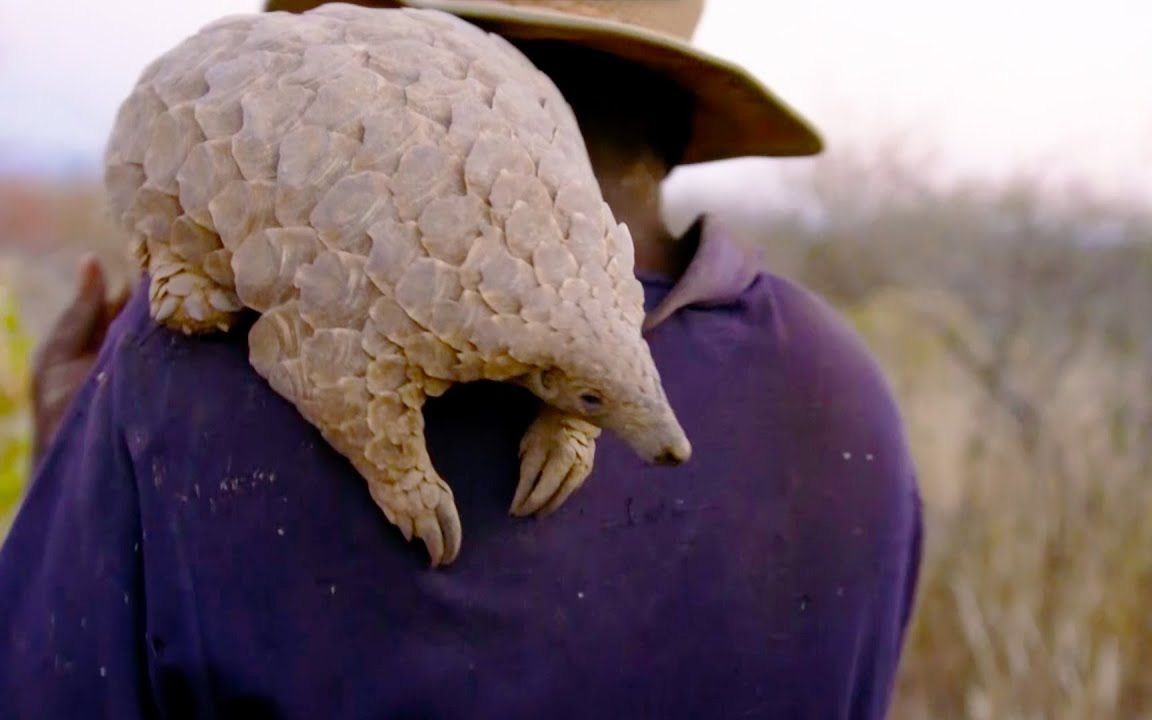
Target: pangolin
{"points": [[407, 203]]}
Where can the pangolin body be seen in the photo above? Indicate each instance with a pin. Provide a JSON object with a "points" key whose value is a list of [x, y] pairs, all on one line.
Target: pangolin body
{"points": [[408, 204]]}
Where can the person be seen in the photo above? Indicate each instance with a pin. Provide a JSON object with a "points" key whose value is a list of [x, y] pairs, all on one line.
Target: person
{"points": [[191, 548]]}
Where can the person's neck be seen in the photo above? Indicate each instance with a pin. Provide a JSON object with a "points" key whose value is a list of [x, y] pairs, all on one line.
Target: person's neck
{"points": [[625, 116], [632, 188]]}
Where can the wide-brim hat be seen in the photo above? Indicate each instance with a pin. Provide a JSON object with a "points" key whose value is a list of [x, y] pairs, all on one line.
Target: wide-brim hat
{"points": [[735, 114]]}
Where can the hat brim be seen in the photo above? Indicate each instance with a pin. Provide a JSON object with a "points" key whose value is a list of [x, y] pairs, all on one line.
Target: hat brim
{"points": [[735, 114]]}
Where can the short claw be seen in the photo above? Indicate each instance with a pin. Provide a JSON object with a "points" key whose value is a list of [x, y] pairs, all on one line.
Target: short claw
{"points": [[572, 483], [428, 530], [450, 529], [556, 457], [438, 526], [532, 458], [440, 530], [560, 465]]}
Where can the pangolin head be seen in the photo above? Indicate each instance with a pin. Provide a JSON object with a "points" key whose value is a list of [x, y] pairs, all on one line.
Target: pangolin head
{"points": [[617, 389]]}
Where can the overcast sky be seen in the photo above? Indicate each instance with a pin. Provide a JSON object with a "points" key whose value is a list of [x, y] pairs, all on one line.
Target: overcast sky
{"points": [[993, 86]]}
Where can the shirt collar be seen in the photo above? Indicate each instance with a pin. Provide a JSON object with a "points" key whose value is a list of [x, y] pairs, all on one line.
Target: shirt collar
{"points": [[719, 273]]}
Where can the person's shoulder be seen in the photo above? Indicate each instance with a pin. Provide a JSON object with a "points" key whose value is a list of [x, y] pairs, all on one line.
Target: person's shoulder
{"points": [[836, 388], [157, 375], [808, 327], [139, 344]]}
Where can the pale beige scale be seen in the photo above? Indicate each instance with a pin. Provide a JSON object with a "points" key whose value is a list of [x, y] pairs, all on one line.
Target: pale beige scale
{"points": [[408, 204]]}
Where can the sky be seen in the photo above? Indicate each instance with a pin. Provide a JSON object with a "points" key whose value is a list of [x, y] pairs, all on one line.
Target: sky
{"points": [[991, 88]]}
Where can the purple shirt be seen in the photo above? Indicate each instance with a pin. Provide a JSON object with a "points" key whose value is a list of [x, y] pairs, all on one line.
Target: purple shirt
{"points": [[191, 548]]}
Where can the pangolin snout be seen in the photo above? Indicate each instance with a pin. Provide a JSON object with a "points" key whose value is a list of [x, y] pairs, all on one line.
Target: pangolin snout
{"points": [[656, 435], [677, 453]]}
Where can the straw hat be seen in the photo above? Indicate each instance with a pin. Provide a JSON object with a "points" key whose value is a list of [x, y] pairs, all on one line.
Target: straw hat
{"points": [[735, 114]]}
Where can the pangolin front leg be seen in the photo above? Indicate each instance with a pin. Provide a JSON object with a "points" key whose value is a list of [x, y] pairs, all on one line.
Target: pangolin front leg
{"points": [[556, 456], [401, 478], [368, 406]]}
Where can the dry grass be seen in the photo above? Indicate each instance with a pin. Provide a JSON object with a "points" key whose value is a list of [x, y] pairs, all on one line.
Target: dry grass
{"points": [[1022, 359], [1033, 600], [1013, 324]]}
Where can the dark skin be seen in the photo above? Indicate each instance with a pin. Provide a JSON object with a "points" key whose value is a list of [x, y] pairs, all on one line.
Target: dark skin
{"points": [[634, 128], [69, 350], [630, 127]]}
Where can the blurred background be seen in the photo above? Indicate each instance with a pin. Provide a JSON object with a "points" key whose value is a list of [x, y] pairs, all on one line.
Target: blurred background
{"points": [[982, 215]]}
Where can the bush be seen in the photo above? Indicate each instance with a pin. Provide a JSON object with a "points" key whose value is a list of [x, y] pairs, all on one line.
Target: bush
{"points": [[15, 432]]}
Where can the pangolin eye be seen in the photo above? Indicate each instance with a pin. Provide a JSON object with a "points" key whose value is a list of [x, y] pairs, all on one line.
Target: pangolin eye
{"points": [[591, 402]]}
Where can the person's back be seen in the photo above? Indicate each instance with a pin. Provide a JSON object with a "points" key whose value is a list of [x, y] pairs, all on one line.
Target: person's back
{"points": [[218, 558]]}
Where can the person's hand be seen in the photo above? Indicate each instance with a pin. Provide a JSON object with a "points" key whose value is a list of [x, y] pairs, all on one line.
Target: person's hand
{"points": [[69, 350]]}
